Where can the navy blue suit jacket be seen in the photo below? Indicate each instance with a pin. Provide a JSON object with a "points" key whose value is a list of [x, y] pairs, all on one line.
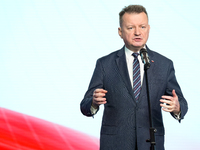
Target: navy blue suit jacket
{"points": [[126, 121]]}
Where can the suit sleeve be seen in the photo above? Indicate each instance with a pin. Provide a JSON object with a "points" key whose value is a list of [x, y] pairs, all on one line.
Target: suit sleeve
{"points": [[173, 84], [95, 83]]}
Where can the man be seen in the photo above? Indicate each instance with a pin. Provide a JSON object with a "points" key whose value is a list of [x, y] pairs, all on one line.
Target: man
{"points": [[125, 123]]}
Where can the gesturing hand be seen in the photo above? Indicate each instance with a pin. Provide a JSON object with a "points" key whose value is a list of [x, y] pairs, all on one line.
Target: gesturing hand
{"points": [[172, 103], [99, 97]]}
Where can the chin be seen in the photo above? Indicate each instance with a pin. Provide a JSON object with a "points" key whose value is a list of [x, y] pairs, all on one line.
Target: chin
{"points": [[138, 46]]}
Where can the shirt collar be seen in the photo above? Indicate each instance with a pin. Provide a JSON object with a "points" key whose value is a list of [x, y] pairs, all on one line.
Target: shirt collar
{"points": [[129, 53]]}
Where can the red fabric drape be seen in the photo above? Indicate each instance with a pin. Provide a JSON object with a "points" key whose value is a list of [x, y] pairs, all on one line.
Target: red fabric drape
{"points": [[22, 132]]}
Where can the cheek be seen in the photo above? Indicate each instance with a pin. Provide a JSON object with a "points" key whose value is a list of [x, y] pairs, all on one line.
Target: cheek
{"points": [[146, 35], [126, 37], [129, 36]]}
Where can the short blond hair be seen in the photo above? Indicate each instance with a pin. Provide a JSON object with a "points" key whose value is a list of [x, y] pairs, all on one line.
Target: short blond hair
{"points": [[131, 9]]}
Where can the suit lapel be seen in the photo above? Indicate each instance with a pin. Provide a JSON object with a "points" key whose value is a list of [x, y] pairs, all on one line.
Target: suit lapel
{"points": [[123, 70]]}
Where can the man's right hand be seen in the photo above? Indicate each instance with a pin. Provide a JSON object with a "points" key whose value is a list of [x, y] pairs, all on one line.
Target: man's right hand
{"points": [[99, 97]]}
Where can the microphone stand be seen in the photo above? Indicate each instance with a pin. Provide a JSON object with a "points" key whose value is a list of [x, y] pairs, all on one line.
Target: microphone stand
{"points": [[152, 130]]}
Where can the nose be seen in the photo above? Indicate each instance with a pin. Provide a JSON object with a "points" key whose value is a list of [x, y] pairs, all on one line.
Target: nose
{"points": [[137, 31]]}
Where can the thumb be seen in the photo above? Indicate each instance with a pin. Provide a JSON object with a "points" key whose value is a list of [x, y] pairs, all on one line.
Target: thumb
{"points": [[174, 93]]}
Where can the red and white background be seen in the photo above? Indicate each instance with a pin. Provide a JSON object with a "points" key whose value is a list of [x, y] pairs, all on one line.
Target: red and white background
{"points": [[48, 51]]}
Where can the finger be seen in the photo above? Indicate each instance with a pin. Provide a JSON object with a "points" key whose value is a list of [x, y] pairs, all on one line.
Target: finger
{"points": [[166, 109], [166, 106], [96, 95], [170, 97], [165, 101], [167, 97], [174, 93], [100, 91], [99, 101], [104, 102]]}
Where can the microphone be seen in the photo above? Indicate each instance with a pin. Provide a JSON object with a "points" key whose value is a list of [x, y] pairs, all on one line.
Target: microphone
{"points": [[145, 58]]}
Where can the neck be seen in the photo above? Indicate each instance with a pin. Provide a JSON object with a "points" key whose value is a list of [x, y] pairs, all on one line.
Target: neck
{"points": [[135, 49]]}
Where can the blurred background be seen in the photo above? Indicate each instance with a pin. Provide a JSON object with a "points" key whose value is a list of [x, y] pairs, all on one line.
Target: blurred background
{"points": [[49, 48]]}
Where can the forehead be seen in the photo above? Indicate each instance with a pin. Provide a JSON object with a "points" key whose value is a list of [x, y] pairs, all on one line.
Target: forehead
{"points": [[135, 18]]}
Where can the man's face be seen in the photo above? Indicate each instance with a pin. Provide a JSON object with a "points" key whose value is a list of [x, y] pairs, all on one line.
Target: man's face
{"points": [[134, 30]]}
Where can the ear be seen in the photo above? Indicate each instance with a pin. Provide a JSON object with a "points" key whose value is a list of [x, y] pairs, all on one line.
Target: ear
{"points": [[120, 31]]}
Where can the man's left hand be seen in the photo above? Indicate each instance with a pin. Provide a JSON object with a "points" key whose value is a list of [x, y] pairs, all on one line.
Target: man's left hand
{"points": [[170, 103]]}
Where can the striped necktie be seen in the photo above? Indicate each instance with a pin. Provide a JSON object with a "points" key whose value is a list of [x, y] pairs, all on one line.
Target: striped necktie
{"points": [[136, 76]]}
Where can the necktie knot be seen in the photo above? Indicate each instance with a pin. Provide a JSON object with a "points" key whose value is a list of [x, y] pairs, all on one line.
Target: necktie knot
{"points": [[135, 55]]}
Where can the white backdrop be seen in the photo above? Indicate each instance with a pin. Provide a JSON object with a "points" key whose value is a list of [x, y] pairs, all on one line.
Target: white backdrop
{"points": [[48, 51]]}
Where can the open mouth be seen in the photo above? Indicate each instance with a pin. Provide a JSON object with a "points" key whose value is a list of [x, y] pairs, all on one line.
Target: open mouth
{"points": [[137, 39]]}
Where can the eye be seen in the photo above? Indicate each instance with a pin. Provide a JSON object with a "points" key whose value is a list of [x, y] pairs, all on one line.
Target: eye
{"points": [[130, 28], [143, 27]]}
